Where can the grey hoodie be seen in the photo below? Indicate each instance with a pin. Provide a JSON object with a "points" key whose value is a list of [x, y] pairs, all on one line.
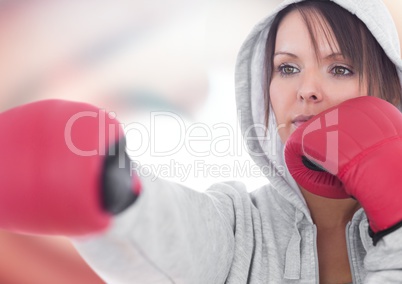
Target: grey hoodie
{"points": [[173, 234]]}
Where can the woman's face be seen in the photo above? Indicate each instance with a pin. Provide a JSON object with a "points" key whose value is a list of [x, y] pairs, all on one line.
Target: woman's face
{"points": [[305, 83]]}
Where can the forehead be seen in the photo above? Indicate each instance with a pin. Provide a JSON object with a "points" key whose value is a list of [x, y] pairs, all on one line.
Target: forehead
{"points": [[307, 27]]}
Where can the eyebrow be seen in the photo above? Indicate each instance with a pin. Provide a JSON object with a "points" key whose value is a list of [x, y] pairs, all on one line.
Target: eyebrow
{"points": [[334, 55], [330, 56], [285, 53]]}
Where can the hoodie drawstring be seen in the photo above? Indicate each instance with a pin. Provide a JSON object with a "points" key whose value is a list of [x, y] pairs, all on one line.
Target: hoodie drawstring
{"points": [[293, 254]]}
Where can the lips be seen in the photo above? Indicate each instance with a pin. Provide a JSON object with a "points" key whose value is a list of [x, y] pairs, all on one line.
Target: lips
{"points": [[300, 119]]}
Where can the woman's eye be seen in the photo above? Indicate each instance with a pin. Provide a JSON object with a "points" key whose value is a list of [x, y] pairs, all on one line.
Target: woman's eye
{"points": [[286, 70], [341, 71]]}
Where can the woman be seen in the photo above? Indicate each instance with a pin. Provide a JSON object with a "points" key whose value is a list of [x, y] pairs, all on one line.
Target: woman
{"points": [[317, 55], [309, 56]]}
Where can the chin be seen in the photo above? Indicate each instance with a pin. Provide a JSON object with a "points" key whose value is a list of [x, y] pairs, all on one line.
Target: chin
{"points": [[284, 136]]}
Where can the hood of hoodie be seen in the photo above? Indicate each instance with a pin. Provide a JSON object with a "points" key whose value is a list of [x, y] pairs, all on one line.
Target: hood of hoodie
{"points": [[266, 148]]}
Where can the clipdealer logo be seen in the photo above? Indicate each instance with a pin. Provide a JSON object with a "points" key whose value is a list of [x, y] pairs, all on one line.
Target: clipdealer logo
{"points": [[197, 140]]}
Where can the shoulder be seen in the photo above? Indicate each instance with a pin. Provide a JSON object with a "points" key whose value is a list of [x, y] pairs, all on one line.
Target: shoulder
{"points": [[236, 194]]}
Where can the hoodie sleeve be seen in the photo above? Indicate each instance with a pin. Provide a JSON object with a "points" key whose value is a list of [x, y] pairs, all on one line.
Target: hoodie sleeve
{"points": [[384, 261], [171, 234]]}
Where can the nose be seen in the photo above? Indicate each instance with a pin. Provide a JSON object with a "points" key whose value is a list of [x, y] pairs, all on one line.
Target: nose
{"points": [[310, 90]]}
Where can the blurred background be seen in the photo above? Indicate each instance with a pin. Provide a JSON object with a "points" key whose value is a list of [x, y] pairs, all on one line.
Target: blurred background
{"points": [[164, 67]]}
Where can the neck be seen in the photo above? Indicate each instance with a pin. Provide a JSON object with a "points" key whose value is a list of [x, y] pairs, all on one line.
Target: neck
{"points": [[330, 213]]}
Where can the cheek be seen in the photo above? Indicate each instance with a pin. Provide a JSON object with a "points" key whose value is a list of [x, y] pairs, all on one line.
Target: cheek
{"points": [[281, 101], [345, 91]]}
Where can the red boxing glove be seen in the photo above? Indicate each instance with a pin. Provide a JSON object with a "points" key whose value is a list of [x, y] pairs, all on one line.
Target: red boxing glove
{"points": [[58, 163], [353, 149]]}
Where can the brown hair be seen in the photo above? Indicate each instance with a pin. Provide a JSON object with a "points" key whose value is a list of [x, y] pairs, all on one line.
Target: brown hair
{"points": [[355, 42]]}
